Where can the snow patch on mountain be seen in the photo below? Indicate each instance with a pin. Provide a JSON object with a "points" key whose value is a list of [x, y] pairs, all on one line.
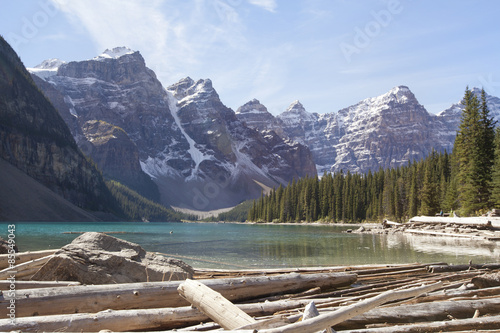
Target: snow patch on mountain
{"points": [[114, 53], [47, 68], [197, 155]]}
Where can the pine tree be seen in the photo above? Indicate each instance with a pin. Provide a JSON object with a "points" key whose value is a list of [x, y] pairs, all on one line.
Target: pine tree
{"points": [[473, 195], [495, 181]]}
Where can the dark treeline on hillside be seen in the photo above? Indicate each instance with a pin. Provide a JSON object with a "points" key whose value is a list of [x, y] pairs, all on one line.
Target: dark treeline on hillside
{"points": [[466, 181]]}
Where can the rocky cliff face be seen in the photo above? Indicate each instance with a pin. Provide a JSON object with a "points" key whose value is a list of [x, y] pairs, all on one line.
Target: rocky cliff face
{"points": [[198, 153], [384, 131], [35, 139], [255, 115]]}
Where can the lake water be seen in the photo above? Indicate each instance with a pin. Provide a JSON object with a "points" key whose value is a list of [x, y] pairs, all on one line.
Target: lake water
{"points": [[232, 246]]}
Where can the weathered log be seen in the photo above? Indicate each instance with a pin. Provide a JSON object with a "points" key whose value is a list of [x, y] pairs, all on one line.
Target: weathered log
{"points": [[457, 294], [446, 234], [344, 313], [214, 305], [91, 299], [472, 221], [4, 284], [473, 324], [354, 268], [141, 319], [25, 269], [423, 312], [24, 257], [457, 268], [487, 280]]}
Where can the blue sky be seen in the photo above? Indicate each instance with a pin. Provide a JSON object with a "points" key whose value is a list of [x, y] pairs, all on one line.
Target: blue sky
{"points": [[329, 54]]}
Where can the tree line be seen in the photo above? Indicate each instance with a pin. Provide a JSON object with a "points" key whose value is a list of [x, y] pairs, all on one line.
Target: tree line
{"points": [[465, 181]]}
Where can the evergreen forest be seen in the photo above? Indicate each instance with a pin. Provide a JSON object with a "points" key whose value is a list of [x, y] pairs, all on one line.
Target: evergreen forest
{"points": [[465, 181]]}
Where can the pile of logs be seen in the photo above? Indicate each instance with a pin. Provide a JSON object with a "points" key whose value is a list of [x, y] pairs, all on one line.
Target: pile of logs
{"points": [[368, 298], [485, 228]]}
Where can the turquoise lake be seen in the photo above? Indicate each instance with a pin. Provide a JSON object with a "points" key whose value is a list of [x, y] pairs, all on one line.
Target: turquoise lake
{"points": [[232, 246]]}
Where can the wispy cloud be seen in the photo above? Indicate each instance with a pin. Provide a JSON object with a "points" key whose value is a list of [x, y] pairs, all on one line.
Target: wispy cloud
{"points": [[269, 5], [174, 38]]}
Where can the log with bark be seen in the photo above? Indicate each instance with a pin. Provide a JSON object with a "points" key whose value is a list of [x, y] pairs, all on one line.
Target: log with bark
{"points": [[91, 299]]}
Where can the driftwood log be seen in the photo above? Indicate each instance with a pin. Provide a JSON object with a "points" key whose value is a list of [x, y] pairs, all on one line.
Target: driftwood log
{"points": [[25, 269], [214, 305], [139, 319], [24, 257], [342, 314], [5, 284], [435, 311], [472, 324], [92, 299]]}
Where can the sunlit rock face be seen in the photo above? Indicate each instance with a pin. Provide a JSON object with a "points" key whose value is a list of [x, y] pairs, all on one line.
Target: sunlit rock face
{"points": [[196, 151]]}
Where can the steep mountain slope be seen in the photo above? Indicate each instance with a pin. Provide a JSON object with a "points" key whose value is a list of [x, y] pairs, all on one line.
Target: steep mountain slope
{"points": [[22, 198], [35, 139], [194, 148]]}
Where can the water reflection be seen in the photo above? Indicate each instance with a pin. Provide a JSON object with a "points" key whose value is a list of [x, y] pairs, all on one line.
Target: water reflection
{"points": [[460, 248]]}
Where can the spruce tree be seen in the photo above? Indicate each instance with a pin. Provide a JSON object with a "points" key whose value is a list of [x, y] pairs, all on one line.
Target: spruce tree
{"points": [[495, 181], [473, 195]]}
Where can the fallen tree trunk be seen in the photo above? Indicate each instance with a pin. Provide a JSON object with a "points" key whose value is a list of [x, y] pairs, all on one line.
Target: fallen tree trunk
{"points": [[446, 234], [330, 319], [4, 285], [27, 268], [472, 221], [423, 312], [91, 299], [141, 319], [24, 257], [214, 305], [482, 323]]}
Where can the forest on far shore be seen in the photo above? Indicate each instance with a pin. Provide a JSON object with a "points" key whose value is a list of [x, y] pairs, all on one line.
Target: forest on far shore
{"points": [[465, 181]]}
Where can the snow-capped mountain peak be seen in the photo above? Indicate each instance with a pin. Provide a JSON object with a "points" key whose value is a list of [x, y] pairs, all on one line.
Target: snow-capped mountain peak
{"points": [[296, 107], [398, 94], [114, 53], [47, 68], [254, 106], [53, 63]]}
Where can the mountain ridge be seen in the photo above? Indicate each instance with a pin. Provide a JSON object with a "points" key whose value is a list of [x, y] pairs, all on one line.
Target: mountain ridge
{"points": [[186, 138]]}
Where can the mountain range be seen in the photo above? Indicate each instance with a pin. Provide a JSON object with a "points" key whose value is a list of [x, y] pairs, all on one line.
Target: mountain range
{"points": [[180, 145], [195, 150]]}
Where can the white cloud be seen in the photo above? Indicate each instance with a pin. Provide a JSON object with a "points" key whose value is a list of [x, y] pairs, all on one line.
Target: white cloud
{"points": [[269, 5], [174, 38]]}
